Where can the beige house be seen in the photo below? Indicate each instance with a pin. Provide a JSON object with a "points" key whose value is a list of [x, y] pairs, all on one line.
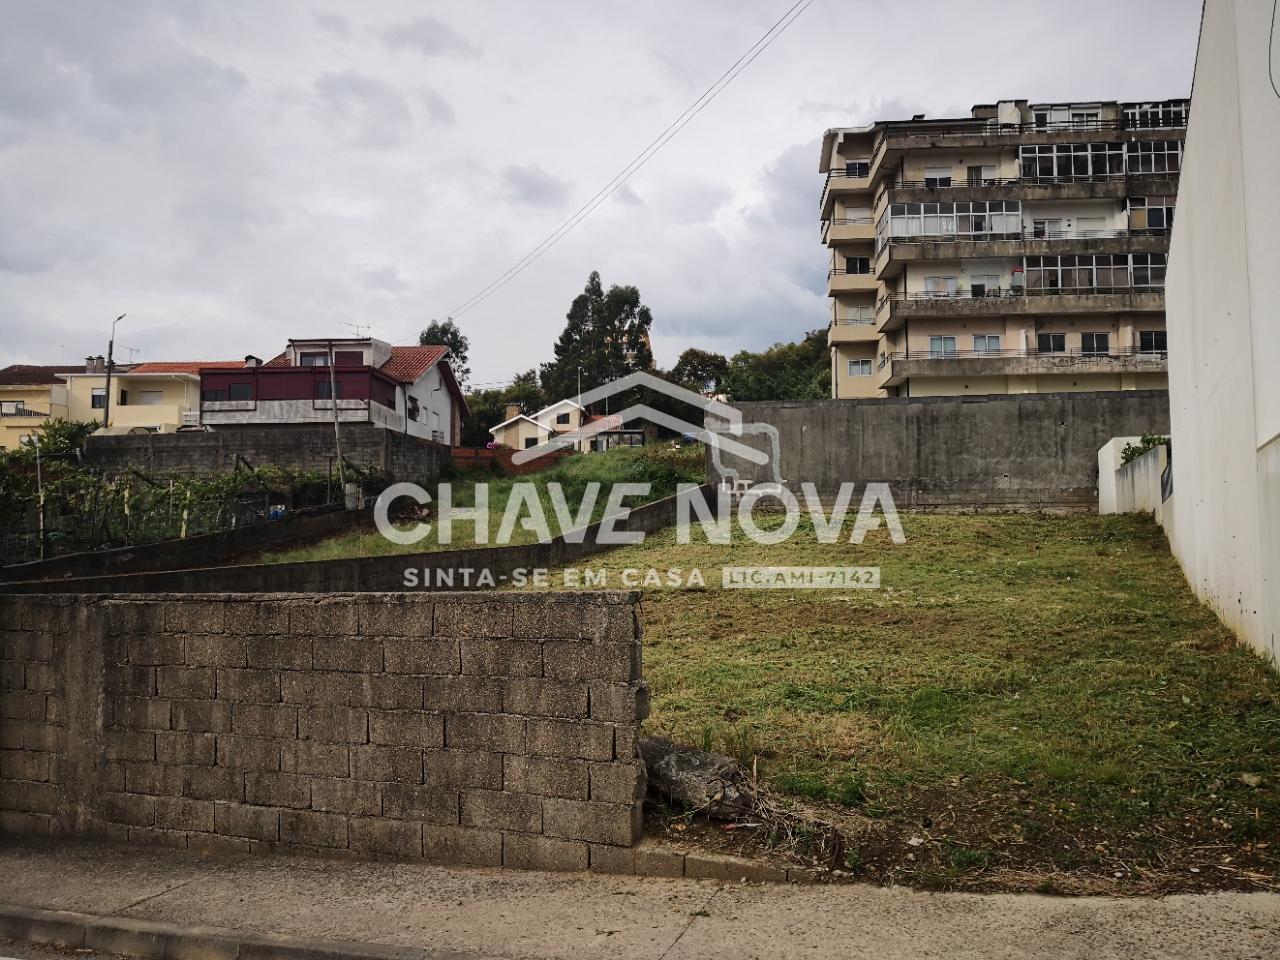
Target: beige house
{"points": [[594, 433], [1018, 250], [156, 397], [30, 395]]}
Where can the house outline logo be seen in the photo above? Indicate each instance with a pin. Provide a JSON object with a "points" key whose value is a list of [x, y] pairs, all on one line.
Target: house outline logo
{"points": [[721, 427]]}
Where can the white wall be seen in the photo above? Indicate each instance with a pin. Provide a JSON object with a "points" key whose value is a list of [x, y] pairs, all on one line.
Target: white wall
{"points": [[1223, 317]]}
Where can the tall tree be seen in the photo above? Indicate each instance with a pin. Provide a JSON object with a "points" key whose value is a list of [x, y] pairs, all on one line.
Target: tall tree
{"points": [[606, 336], [786, 371], [701, 370], [449, 335], [487, 408]]}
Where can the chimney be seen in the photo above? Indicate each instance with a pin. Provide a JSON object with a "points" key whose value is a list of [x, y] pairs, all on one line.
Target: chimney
{"points": [[252, 361], [513, 410], [95, 365], [88, 365]]}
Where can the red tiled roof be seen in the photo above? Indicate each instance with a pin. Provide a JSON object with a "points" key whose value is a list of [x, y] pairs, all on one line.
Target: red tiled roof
{"points": [[612, 421], [407, 364], [186, 366], [279, 360], [21, 374]]}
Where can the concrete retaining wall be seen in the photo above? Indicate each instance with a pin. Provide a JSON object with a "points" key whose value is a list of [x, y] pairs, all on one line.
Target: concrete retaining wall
{"points": [[496, 729], [1021, 451], [1137, 483]]}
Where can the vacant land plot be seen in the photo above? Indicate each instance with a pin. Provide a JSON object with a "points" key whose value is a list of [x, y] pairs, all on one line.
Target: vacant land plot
{"points": [[1026, 703]]}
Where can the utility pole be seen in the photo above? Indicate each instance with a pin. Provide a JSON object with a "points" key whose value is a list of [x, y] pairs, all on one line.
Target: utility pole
{"points": [[337, 438], [39, 492], [111, 347]]}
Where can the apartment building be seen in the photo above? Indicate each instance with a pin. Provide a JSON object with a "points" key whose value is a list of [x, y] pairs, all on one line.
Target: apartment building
{"points": [[1019, 250], [29, 396]]}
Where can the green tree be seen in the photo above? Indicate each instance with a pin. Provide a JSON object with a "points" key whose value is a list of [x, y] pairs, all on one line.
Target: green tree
{"points": [[606, 336], [488, 408], [700, 370], [448, 334], [786, 371]]}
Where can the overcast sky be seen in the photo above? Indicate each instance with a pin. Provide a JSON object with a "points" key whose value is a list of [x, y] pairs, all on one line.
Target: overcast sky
{"points": [[235, 174]]}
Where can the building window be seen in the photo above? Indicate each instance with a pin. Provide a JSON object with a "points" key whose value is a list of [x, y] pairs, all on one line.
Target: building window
{"points": [[942, 346], [213, 396], [12, 407], [313, 359], [412, 408], [937, 176], [986, 343], [1148, 269], [1103, 271], [1153, 341], [1151, 213], [968, 218], [562, 418], [859, 368], [984, 285], [240, 391], [857, 168], [940, 286], [1152, 116], [981, 175], [1071, 161], [859, 313], [530, 442], [857, 265], [323, 388], [1046, 229], [1095, 343], [1051, 343], [98, 398], [1155, 156]]}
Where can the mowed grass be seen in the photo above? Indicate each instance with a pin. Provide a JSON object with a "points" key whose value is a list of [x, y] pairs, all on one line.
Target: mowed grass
{"points": [[1024, 693], [659, 466]]}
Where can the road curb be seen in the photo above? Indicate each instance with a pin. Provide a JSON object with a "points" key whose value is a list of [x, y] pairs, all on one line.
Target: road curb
{"points": [[165, 941]]}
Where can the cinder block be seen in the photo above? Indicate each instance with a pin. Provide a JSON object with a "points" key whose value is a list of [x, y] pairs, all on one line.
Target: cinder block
{"points": [[13, 675], [129, 744], [545, 776], [153, 779], [546, 619], [497, 732], [423, 657], [536, 697], [45, 737], [615, 860], [357, 797], [265, 720], [241, 820], [311, 829], [496, 810], [30, 797], [42, 677], [25, 765], [402, 801], [409, 728], [392, 838], [334, 724], [55, 708], [216, 650], [184, 814], [345, 653], [22, 705], [463, 768], [249, 686], [395, 693], [315, 758], [129, 681], [502, 658], [271, 789], [609, 823], [201, 716], [267, 652], [179, 747], [619, 782], [392, 764], [127, 808], [141, 714], [522, 852], [185, 683], [212, 783], [13, 734], [324, 618], [456, 617], [619, 703], [579, 660], [193, 616], [255, 617], [583, 739], [26, 646], [131, 616], [395, 615], [251, 753], [155, 649], [467, 845], [475, 694]]}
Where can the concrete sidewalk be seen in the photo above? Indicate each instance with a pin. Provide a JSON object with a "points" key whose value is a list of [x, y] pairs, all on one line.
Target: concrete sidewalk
{"points": [[491, 913]]}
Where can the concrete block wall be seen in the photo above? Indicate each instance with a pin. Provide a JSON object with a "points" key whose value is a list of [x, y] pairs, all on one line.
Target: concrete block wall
{"points": [[490, 729]]}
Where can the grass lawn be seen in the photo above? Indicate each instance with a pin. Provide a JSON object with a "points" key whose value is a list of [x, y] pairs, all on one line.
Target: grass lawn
{"points": [[662, 468], [1028, 702]]}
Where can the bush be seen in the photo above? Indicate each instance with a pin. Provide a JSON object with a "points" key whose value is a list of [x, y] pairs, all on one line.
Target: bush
{"points": [[1133, 451]]}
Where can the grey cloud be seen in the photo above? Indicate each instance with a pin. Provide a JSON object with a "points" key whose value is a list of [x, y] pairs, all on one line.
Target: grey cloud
{"points": [[626, 195], [366, 111], [438, 110], [384, 278], [533, 186], [31, 244], [429, 37], [334, 23]]}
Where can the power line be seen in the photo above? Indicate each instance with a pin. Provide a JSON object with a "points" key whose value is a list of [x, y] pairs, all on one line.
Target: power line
{"points": [[645, 155]]}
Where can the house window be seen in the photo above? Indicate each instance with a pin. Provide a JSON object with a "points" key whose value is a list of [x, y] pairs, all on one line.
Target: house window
{"points": [[413, 408], [530, 442], [562, 418], [313, 359], [1153, 341], [858, 265], [323, 388], [857, 168], [1095, 343], [11, 407], [150, 398], [240, 391], [859, 368], [213, 396], [986, 343], [1051, 343], [940, 286], [942, 346], [98, 398]]}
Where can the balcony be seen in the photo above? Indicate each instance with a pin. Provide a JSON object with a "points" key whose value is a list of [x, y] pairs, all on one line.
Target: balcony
{"points": [[847, 230], [852, 331], [1110, 186], [892, 310], [842, 281], [897, 368], [899, 251], [162, 417], [840, 184]]}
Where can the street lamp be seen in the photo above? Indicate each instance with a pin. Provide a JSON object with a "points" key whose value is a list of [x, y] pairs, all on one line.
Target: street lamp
{"points": [[111, 346]]}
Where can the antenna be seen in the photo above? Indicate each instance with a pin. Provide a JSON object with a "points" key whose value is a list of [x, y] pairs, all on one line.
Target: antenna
{"points": [[132, 351], [361, 330]]}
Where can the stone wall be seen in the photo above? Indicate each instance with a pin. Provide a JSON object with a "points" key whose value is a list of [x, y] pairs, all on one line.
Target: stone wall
{"points": [[297, 447], [998, 452], [495, 729]]}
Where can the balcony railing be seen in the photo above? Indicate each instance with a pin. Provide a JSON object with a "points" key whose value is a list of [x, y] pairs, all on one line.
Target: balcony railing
{"points": [[1016, 292], [1080, 356], [851, 322], [24, 412], [836, 272], [1031, 234], [844, 222]]}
